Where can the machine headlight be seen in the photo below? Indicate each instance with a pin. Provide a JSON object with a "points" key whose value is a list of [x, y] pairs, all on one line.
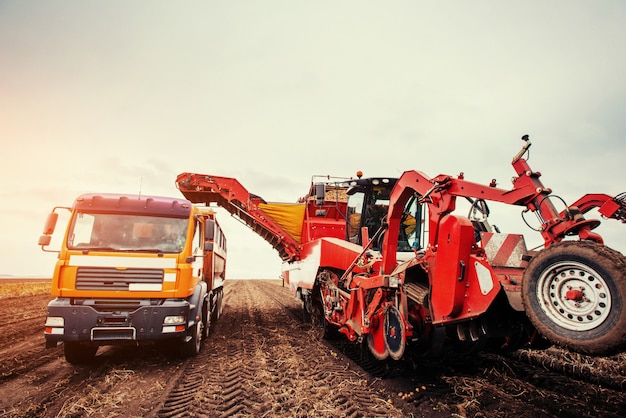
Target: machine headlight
{"points": [[173, 320], [394, 281]]}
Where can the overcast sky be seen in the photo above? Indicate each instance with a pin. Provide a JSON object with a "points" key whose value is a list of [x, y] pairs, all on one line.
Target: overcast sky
{"points": [[116, 96]]}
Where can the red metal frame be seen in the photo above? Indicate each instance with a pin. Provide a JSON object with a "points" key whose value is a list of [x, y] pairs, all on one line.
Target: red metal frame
{"points": [[463, 283], [440, 194], [229, 194]]}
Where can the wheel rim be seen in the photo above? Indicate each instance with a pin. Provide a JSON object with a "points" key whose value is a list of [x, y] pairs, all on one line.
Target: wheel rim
{"points": [[574, 296]]}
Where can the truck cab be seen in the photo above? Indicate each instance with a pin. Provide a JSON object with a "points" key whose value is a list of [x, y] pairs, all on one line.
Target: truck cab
{"points": [[134, 270]]}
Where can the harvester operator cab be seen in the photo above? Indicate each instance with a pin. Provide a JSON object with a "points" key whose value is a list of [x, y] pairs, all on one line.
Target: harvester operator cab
{"points": [[368, 204]]}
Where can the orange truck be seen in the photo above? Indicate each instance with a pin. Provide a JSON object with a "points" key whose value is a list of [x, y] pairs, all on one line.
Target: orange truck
{"points": [[134, 270]]}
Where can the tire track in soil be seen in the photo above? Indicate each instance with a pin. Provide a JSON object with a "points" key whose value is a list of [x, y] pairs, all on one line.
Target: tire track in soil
{"points": [[21, 336], [261, 361], [501, 373], [281, 369], [29, 321]]}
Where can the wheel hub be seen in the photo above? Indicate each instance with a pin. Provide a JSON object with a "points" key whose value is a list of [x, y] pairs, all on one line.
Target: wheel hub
{"points": [[574, 296]]}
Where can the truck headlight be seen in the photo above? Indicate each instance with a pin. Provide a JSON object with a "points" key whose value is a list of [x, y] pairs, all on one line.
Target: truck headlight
{"points": [[55, 321], [174, 320]]}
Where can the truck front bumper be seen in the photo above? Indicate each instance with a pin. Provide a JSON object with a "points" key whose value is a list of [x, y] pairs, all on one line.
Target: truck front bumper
{"points": [[115, 322]]}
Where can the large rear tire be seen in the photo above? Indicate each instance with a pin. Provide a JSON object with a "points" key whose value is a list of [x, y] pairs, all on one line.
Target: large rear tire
{"points": [[574, 293]]}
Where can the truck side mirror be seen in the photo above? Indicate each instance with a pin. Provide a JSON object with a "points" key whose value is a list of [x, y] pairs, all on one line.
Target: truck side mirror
{"points": [[44, 240], [51, 222], [48, 229]]}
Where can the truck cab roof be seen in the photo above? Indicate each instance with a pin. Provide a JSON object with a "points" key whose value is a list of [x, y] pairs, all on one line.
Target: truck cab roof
{"points": [[129, 203]]}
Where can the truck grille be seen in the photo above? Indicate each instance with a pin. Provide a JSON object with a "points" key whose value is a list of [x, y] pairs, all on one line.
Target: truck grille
{"points": [[113, 334], [109, 278]]}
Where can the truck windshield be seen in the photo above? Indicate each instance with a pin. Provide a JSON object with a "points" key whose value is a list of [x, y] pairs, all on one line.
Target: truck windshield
{"points": [[121, 232]]}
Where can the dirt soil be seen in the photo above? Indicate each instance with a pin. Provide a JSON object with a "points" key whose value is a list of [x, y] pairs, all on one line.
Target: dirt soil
{"points": [[261, 360]]}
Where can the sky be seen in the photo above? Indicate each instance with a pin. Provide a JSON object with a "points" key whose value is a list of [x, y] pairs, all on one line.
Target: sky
{"points": [[121, 97]]}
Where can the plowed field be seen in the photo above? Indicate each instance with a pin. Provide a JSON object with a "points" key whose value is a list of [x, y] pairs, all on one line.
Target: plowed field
{"points": [[262, 361]]}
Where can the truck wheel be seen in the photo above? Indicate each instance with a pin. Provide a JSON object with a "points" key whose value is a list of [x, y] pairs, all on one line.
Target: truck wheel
{"points": [[208, 320], [217, 309], [574, 293], [192, 347], [220, 304], [76, 353]]}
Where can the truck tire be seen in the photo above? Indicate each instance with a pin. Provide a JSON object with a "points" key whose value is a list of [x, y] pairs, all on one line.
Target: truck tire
{"points": [[77, 353], [192, 347], [220, 304], [216, 312], [208, 321], [574, 293]]}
